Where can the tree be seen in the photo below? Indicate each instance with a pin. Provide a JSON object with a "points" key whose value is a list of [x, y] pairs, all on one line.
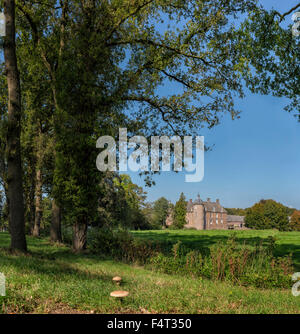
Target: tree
{"points": [[179, 216], [267, 214], [236, 211], [160, 212], [13, 149], [132, 198], [102, 59], [294, 223], [271, 55], [37, 133], [149, 215], [136, 58], [3, 130]]}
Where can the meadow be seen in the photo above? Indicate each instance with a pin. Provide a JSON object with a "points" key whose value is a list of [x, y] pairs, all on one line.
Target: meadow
{"points": [[286, 242], [53, 279]]}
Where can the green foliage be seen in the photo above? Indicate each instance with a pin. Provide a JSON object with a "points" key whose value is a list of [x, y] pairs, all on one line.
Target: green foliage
{"points": [[179, 216], [294, 223], [236, 211], [267, 214], [47, 215], [203, 240], [121, 203], [67, 234], [160, 212], [271, 50], [89, 67], [85, 282], [229, 261], [120, 245], [131, 200], [86, 65]]}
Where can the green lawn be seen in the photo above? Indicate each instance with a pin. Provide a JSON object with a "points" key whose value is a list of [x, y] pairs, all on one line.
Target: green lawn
{"points": [[51, 279]]}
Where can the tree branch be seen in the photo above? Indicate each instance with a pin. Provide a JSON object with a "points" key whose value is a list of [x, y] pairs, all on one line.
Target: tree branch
{"points": [[127, 17], [160, 45], [153, 104], [282, 16]]}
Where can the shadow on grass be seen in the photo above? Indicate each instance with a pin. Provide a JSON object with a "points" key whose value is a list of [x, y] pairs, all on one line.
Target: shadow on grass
{"points": [[60, 264]]}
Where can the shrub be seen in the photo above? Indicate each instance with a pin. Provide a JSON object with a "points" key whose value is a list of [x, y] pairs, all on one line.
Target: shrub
{"points": [[120, 245], [240, 264], [67, 235], [230, 261]]}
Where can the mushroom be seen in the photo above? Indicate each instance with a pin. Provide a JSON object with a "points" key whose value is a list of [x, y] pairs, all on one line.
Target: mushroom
{"points": [[117, 280], [119, 294]]}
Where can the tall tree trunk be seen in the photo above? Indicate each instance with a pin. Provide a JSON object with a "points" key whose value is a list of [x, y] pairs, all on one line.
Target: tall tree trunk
{"points": [[38, 204], [55, 229], [31, 208], [79, 236], [29, 205], [38, 184], [14, 172]]}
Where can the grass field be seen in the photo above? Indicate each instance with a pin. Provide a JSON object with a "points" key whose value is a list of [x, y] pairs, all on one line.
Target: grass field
{"points": [[286, 242], [51, 279]]}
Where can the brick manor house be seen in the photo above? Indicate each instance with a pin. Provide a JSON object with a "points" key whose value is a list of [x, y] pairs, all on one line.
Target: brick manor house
{"points": [[207, 215]]}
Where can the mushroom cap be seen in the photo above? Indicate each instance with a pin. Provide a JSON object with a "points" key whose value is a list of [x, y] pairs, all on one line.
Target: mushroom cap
{"points": [[119, 294], [117, 279]]}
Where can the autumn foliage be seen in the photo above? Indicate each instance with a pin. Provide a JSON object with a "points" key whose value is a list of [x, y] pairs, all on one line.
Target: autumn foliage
{"points": [[295, 221]]}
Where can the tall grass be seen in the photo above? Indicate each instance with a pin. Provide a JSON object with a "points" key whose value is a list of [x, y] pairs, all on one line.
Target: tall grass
{"points": [[229, 261]]}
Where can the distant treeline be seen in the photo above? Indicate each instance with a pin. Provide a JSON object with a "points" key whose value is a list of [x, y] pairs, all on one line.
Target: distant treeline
{"points": [[268, 214]]}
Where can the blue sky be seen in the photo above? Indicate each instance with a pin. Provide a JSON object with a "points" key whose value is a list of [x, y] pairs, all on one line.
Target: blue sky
{"points": [[254, 157]]}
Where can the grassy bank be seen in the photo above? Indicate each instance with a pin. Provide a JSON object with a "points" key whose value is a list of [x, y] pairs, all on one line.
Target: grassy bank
{"points": [[51, 279], [286, 242]]}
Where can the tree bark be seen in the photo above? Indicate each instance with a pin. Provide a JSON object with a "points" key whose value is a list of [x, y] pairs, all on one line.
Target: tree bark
{"points": [[38, 204], [55, 229], [79, 236], [13, 149]]}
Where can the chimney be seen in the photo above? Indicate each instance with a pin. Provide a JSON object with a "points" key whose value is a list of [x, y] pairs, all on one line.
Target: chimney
{"points": [[191, 201], [208, 199], [217, 201]]}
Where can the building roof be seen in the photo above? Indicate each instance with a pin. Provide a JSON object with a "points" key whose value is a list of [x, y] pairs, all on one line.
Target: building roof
{"points": [[198, 200], [208, 205], [233, 218], [213, 207]]}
